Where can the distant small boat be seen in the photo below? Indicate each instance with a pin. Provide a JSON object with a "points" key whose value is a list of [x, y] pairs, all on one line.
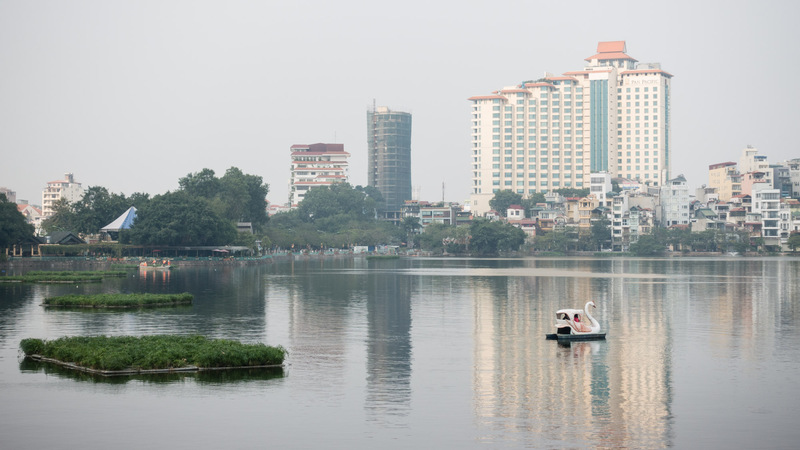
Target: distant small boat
{"points": [[164, 265], [571, 325]]}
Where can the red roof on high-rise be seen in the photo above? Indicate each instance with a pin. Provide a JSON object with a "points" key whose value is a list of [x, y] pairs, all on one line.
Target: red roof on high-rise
{"points": [[611, 50]]}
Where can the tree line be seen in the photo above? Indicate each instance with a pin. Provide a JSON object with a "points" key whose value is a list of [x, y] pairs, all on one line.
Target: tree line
{"points": [[205, 209]]}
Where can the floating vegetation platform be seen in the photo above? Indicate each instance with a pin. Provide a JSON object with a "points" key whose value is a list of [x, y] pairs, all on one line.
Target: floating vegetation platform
{"points": [[120, 300], [129, 355]]}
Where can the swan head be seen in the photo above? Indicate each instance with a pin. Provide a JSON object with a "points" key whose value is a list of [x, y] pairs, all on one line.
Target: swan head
{"points": [[593, 305]]}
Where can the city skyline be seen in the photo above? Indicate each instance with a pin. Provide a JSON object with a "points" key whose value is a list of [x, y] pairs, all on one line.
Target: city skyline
{"points": [[172, 88], [551, 133]]}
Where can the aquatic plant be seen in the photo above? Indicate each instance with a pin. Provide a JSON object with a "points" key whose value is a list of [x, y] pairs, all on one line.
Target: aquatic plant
{"points": [[120, 300], [153, 352]]}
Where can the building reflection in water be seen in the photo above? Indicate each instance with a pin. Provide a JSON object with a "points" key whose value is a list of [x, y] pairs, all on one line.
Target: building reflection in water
{"points": [[388, 346], [613, 393]]}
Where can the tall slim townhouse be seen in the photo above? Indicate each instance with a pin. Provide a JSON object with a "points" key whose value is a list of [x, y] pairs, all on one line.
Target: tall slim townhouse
{"points": [[613, 116]]}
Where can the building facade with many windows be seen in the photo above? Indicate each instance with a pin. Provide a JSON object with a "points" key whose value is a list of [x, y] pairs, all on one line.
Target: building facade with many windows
{"points": [[551, 133], [389, 157], [56, 190], [316, 165]]}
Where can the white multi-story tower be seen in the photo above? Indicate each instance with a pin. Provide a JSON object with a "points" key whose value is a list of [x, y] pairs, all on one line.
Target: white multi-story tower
{"points": [[316, 165], [612, 116], [56, 190], [674, 196]]}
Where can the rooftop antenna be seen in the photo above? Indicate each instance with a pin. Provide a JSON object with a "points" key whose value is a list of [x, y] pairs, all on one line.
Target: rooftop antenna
{"points": [[442, 191]]}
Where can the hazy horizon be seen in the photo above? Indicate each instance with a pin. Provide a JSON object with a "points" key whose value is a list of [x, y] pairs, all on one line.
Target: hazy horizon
{"points": [[133, 96]]}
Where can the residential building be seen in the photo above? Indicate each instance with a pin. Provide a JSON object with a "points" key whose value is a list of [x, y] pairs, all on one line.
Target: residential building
{"points": [[428, 213], [751, 161], [774, 215], [56, 190], [755, 181], [600, 185], [794, 175], [33, 216], [619, 207], [725, 178], [613, 116], [586, 211], [674, 198], [706, 219], [636, 222], [11, 196], [706, 195], [782, 179], [515, 212], [389, 157], [316, 165]]}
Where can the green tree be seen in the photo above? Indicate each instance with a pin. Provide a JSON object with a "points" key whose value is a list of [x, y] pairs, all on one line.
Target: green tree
{"points": [[433, 237], [98, 208], [793, 242], [176, 218], [13, 226], [338, 199], [491, 237], [601, 233], [201, 184], [244, 197], [64, 217], [237, 196], [502, 200], [648, 245], [554, 241], [573, 192], [373, 200], [411, 227]]}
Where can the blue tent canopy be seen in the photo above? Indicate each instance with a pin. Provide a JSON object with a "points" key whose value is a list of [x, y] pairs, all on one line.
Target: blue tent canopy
{"points": [[122, 222]]}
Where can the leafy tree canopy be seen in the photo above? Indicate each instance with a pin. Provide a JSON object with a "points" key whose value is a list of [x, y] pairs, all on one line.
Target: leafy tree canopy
{"points": [[502, 200], [13, 226], [237, 196], [794, 242], [572, 192], [491, 237], [340, 199], [648, 245], [176, 218], [96, 209]]}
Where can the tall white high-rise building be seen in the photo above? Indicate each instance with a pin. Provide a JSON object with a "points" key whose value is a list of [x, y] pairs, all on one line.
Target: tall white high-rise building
{"points": [[56, 190], [613, 116], [316, 165]]}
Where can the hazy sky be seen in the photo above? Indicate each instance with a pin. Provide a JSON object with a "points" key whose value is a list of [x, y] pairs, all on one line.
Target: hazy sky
{"points": [[132, 95]]}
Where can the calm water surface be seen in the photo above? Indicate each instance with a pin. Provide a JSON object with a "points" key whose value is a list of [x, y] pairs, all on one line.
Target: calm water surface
{"points": [[431, 353]]}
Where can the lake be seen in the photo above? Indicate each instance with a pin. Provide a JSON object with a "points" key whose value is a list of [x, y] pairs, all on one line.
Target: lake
{"points": [[430, 353]]}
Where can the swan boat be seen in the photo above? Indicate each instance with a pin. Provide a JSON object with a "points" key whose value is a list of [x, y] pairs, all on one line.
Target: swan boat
{"points": [[572, 325]]}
